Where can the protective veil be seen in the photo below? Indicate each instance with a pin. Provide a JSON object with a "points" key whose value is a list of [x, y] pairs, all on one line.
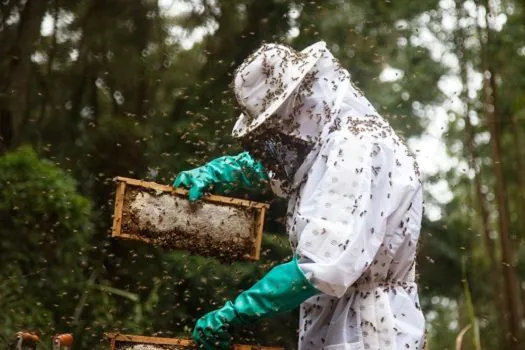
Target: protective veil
{"points": [[354, 214]]}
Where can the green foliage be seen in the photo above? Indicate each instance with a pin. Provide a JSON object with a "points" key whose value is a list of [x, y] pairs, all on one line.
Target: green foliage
{"points": [[45, 228]]}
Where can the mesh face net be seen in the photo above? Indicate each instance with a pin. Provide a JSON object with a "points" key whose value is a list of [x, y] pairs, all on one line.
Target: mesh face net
{"points": [[326, 100], [281, 154]]}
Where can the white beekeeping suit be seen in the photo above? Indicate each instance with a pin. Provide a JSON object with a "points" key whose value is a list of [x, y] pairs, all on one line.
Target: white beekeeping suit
{"points": [[355, 197]]}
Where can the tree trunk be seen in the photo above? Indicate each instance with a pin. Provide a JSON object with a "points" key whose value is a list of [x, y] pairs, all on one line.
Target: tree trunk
{"points": [[471, 154], [518, 158], [47, 96], [16, 68], [144, 26], [483, 211], [7, 8], [509, 273], [84, 70], [507, 255], [470, 148]]}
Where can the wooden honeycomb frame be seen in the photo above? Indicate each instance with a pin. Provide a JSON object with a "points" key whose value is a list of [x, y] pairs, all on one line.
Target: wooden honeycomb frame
{"points": [[124, 183], [117, 338]]}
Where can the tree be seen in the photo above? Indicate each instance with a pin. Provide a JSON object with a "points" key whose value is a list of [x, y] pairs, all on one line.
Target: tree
{"points": [[15, 66], [45, 227]]}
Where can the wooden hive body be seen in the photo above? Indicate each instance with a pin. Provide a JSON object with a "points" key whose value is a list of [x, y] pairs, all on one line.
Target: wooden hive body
{"points": [[217, 226], [137, 342]]}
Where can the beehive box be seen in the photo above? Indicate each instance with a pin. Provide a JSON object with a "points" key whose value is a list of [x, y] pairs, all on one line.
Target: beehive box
{"points": [[223, 227], [137, 342]]}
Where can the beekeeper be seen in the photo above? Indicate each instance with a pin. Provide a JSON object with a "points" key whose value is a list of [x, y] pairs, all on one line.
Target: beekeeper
{"points": [[354, 210]]}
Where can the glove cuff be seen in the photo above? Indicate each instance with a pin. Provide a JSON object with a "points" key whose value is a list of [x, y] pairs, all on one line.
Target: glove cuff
{"points": [[228, 315], [281, 290]]}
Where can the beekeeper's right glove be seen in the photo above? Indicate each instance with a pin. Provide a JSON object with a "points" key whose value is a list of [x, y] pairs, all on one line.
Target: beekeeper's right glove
{"points": [[224, 174]]}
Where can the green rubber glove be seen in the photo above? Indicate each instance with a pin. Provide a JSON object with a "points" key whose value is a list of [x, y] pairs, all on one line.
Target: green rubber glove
{"points": [[223, 174], [282, 289]]}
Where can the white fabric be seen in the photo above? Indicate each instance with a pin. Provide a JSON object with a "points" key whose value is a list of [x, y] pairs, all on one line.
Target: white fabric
{"points": [[355, 225], [354, 218], [277, 186]]}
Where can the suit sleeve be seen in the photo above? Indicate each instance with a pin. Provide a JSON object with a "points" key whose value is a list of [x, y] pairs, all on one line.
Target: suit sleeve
{"points": [[342, 211]]}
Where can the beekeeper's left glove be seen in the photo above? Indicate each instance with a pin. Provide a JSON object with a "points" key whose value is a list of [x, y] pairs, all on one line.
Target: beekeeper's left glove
{"points": [[223, 174], [282, 289]]}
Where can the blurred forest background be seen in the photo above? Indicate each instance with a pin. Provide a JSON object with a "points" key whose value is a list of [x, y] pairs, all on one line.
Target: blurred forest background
{"points": [[93, 89]]}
